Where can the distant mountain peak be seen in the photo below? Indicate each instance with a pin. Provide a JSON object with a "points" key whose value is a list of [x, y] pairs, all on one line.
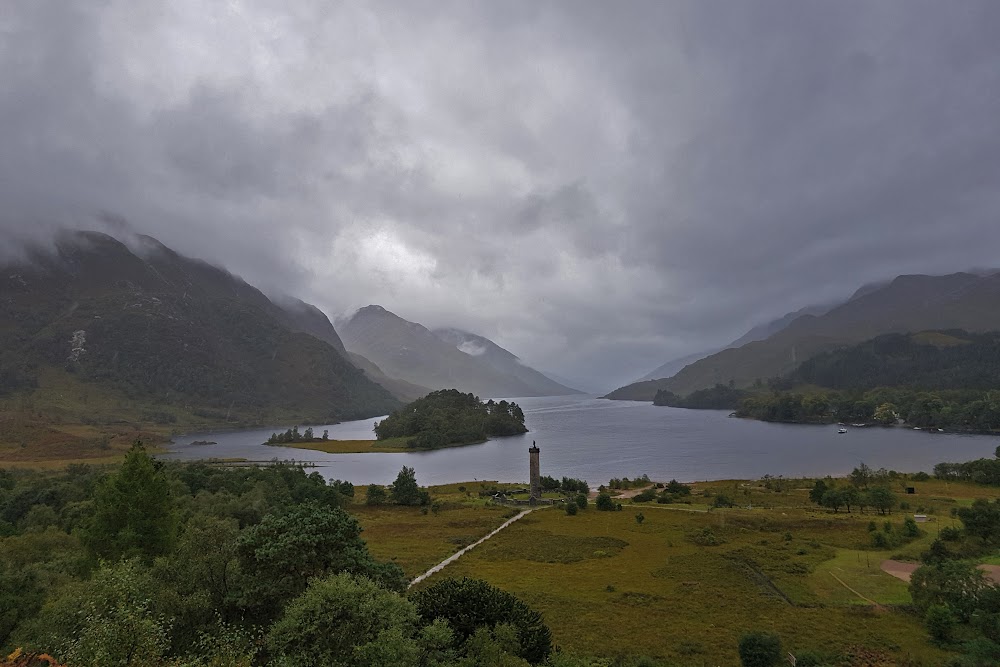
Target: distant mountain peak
{"points": [[442, 359], [905, 304]]}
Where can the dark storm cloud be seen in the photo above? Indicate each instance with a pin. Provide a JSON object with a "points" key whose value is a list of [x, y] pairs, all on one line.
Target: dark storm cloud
{"points": [[596, 186]]}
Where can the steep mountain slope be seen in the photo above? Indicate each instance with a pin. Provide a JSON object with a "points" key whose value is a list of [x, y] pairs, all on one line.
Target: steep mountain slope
{"points": [[309, 319], [503, 361], [160, 329], [928, 360], [409, 351], [906, 304], [405, 391], [759, 332]]}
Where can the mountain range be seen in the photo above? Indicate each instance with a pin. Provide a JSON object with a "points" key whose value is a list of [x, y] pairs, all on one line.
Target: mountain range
{"points": [[759, 332], [445, 358], [908, 303], [102, 332], [99, 330]]}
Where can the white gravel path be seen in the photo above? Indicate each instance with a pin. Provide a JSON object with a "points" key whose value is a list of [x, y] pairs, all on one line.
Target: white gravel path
{"points": [[458, 554]]}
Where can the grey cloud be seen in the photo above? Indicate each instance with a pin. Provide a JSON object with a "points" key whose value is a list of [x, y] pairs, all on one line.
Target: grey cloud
{"points": [[596, 186]]}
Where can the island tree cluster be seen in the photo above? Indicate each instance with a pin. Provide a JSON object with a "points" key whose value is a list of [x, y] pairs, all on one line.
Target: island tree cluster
{"points": [[448, 417], [293, 435]]}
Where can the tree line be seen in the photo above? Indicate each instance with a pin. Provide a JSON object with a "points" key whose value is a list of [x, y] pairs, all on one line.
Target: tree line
{"points": [[980, 471], [448, 417], [293, 435], [719, 397], [964, 410], [159, 564], [934, 379]]}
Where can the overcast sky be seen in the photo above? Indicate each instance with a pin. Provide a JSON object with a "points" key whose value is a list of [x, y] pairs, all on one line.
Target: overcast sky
{"points": [[597, 186]]}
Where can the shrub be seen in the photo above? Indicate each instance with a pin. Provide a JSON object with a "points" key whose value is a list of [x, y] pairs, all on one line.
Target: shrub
{"points": [[920, 477], [469, 604], [723, 500], [375, 495], [646, 496], [572, 509], [816, 659], [604, 503], [950, 534], [337, 615], [706, 537], [940, 622], [581, 501], [759, 649]]}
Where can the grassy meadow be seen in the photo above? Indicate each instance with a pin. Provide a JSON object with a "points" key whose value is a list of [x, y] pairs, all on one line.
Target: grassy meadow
{"points": [[388, 446], [686, 582]]}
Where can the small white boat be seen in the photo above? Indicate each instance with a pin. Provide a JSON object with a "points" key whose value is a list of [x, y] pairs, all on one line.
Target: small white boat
{"points": [[842, 430]]}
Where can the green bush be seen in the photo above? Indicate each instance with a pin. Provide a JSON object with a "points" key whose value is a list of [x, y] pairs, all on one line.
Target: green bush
{"points": [[759, 649], [646, 496], [940, 622], [604, 503], [572, 509], [376, 495], [723, 500], [337, 616], [469, 604]]}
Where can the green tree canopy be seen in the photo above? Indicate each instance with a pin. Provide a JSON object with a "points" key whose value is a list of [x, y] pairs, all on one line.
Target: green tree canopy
{"points": [[347, 621], [133, 511], [759, 649], [448, 417], [283, 552], [404, 491], [470, 604]]}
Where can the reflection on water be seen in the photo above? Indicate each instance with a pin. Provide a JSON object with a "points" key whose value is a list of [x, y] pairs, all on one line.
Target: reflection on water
{"points": [[594, 439]]}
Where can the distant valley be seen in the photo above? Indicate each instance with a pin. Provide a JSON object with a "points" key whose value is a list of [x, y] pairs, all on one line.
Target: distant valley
{"points": [[109, 335], [445, 358]]}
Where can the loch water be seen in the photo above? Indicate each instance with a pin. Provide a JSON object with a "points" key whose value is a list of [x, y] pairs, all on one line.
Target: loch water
{"points": [[596, 439]]}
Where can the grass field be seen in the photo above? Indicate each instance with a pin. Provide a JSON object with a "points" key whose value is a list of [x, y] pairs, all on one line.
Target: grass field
{"points": [[416, 540], [389, 445], [687, 582]]}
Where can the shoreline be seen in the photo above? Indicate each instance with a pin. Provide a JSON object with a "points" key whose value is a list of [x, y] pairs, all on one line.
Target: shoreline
{"points": [[366, 446]]}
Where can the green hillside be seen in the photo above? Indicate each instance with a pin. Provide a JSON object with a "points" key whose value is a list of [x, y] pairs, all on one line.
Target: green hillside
{"points": [[144, 334], [907, 304]]}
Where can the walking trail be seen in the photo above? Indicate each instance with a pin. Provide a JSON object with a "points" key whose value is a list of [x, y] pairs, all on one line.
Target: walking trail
{"points": [[903, 571], [458, 554]]}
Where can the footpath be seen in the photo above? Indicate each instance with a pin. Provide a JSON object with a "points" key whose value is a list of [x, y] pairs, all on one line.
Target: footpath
{"points": [[458, 554]]}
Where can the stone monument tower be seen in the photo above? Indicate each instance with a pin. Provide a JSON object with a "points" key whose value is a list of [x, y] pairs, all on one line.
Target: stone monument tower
{"points": [[536, 481]]}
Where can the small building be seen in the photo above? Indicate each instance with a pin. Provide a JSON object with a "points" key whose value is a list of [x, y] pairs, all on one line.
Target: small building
{"points": [[920, 518]]}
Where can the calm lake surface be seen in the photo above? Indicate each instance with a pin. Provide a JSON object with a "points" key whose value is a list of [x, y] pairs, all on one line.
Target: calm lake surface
{"points": [[594, 439]]}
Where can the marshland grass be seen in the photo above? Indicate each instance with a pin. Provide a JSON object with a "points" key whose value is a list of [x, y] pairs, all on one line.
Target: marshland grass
{"points": [[683, 586]]}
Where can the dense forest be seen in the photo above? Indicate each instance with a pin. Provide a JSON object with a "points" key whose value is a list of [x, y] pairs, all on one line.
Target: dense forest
{"points": [[980, 471], [974, 411], [449, 417], [931, 360], [934, 379], [190, 564], [719, 397]]}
